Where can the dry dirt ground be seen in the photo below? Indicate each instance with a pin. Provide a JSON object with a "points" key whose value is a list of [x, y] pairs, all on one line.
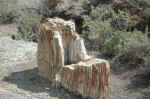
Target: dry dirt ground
{"points": [[19, 79]]}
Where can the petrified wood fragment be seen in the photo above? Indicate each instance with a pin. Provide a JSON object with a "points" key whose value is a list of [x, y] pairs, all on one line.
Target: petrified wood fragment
{"points": [[62, 57], [88, 78]]}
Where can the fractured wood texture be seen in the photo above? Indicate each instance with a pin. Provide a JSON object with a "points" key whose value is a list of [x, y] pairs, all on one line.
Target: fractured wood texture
{"points": [[88, 78], [62, 57]]}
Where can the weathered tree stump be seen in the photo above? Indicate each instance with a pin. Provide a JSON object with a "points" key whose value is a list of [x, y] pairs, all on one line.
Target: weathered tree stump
{"points": [[62, 57]]}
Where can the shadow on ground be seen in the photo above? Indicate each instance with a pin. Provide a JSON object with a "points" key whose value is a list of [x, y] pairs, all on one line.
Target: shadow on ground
{"points": [[30, 81], [141, 82], [146, 95]]}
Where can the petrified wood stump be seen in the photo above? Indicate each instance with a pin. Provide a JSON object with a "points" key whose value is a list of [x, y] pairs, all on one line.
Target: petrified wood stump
{"points": [[62, 57]]}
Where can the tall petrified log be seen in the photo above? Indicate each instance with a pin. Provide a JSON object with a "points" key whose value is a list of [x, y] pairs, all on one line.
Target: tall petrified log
{"points": [[62, 57]]}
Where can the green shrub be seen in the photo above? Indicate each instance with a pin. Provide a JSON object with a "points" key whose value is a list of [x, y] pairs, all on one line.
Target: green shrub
{"points": [[28, 25], [108, 32], [124, 42], [8, 11], [29, 20], [128, 50], [102, 22], [46, 9]]}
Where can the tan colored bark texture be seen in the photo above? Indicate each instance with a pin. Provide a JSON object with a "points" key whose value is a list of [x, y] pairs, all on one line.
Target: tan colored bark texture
{"points": [[62, 58]]}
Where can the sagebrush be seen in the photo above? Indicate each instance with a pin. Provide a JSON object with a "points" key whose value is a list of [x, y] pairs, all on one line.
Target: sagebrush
{"points": [[109, 33], [8, 11], [28, 26]]}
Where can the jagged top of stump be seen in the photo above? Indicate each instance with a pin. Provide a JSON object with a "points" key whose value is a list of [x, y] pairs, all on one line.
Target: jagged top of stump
{"points": [[66, 28], [58, 24], [87, 63]]}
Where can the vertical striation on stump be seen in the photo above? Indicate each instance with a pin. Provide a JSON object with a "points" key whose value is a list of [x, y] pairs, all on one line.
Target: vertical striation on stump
{"points": [[90, 78], [50, 53], [62, 56]]}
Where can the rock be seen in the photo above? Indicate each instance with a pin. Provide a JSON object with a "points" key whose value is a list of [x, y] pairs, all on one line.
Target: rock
{"points": [[62, 58], [88, 78], [58, 44]]}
